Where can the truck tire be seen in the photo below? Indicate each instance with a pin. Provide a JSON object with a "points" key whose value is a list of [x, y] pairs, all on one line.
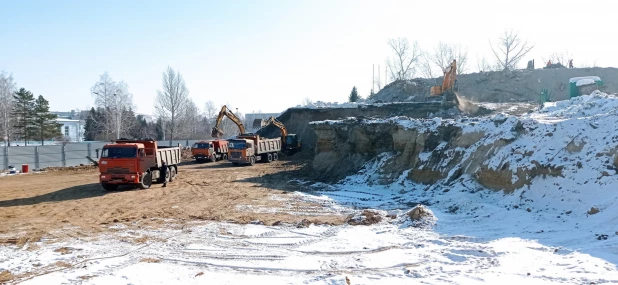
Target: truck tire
{"points": [[213, 158], [275, 156], [109, 187], [269, 157], [146, 181], [224, 156], [172, 172], [252, 160]]}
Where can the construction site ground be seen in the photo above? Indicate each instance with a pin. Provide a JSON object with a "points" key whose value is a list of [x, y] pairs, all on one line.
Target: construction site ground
{"points": [[71, 203]]}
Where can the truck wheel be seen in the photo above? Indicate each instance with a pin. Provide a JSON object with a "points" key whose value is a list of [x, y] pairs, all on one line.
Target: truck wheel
{"points": [[213, 158], [252, 160], [146, 181], [109, 187], [269, 158], [172, 172], [275, 156], [225, 157]]}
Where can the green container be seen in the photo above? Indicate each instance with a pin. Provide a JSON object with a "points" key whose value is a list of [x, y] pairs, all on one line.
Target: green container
{"points": [[574, 90]]}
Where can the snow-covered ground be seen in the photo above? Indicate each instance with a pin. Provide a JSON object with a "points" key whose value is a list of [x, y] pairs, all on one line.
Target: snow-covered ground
{"points": [[541, 234]]}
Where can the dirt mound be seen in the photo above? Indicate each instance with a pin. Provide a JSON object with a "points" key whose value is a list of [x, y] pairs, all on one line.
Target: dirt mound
{"points": [[186, 154], [519, 85], [70, 168], [420, 217], [366, 218]]}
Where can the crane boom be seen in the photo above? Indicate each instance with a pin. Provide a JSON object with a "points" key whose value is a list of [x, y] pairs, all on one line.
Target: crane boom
{"points": [[216, 130]]}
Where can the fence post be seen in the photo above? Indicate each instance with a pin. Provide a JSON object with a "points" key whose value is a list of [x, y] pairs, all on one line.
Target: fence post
{"points": [[6, 157], [64, 156], [89, 150], [36, 158]]}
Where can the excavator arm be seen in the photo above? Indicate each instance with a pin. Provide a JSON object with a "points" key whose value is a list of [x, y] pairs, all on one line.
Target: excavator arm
{"points": [[217, 132], [273, 121], [448, 84]]}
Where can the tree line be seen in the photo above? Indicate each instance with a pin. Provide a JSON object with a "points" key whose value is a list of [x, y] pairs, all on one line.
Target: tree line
{"points": [[177, 115], [24, 117]]}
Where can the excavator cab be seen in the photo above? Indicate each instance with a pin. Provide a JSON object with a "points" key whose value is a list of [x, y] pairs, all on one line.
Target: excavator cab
{"points": [[292, 144]]}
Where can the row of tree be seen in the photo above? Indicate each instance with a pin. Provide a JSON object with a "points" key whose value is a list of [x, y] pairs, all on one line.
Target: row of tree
{"points": [[24, 117], [177, 115]]}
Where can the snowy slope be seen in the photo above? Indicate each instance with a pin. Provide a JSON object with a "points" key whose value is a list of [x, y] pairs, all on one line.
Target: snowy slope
{"points": [[538, 234]]}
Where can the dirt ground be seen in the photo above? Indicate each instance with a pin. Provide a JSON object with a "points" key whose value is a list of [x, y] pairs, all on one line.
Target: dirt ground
{"points": [[71, 203]]}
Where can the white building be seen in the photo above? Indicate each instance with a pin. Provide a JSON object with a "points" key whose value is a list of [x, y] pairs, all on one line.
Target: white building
{"points": [[72, 129]]}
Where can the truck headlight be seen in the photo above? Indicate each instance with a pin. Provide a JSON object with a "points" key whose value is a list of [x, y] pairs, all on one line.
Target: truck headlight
{"points": [[102, 176], [132, 176]]}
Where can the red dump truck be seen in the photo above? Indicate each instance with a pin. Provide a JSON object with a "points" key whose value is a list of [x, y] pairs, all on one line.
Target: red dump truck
{"points": [[248, 149], [211, 150], [136, 162]]}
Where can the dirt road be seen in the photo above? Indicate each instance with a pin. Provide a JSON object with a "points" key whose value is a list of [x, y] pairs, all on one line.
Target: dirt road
{"points": [[72, 203]]}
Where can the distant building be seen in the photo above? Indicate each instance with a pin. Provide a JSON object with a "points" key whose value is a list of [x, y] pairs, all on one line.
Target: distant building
{"points": [[255, 121], [73, 130], [73, 123]]}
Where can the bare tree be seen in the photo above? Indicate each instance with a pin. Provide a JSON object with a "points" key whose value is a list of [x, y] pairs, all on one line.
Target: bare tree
{"points": [[116, 102], [307, 102], [193, 121], [403, 63], [483, 65], [509, 50], [172, 102], [426, 66], [7, 89], [444, 54]]}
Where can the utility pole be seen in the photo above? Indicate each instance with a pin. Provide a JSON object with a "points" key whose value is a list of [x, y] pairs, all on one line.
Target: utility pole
{"points": [[373, 76]]}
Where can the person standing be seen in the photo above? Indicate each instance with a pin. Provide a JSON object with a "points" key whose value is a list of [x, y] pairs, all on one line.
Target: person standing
{"points": [[570, 63], [163, 173]]}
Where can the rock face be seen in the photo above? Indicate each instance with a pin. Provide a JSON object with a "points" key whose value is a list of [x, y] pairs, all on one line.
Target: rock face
{"points": [[503, 153], [296, 120], [519, 85]]}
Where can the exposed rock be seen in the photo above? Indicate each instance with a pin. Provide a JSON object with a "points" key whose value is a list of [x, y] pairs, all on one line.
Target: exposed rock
{"points": [[366, 218], [593, 211], [421, 217]]}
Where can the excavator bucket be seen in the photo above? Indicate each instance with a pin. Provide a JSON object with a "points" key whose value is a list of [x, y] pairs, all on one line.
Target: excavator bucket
{"points": [[217, 133]]}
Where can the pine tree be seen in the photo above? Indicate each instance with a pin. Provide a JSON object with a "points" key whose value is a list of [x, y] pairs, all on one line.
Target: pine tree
{"points": [[23, 112], [90, 129], [354, 95], [44, 123]]}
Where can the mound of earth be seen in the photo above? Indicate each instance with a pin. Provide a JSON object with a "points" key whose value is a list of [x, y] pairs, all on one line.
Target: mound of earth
{"points": [[516, 86]]}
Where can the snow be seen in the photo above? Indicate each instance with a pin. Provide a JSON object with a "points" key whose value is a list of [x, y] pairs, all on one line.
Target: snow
{"points": [[539, 234], [584, 82], [576, 79]]}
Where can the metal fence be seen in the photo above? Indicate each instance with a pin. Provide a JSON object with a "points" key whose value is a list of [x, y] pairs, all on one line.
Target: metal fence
{"points": [[71, 154]]}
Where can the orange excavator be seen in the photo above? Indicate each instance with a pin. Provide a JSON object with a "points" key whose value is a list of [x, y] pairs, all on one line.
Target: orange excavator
{"points": [[449, 85], [217, 132], [291, 143]]}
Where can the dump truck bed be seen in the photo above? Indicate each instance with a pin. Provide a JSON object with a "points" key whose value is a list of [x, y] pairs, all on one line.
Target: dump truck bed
{"points": [[169, 154], [267, 145]]}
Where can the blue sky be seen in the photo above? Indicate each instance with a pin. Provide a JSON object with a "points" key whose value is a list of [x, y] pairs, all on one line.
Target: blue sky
{"points": [[268, 55]]}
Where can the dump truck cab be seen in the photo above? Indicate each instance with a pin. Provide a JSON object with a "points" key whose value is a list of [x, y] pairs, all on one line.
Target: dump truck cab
{"points": [[241, 151], [121, 163], [202, 150]]}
